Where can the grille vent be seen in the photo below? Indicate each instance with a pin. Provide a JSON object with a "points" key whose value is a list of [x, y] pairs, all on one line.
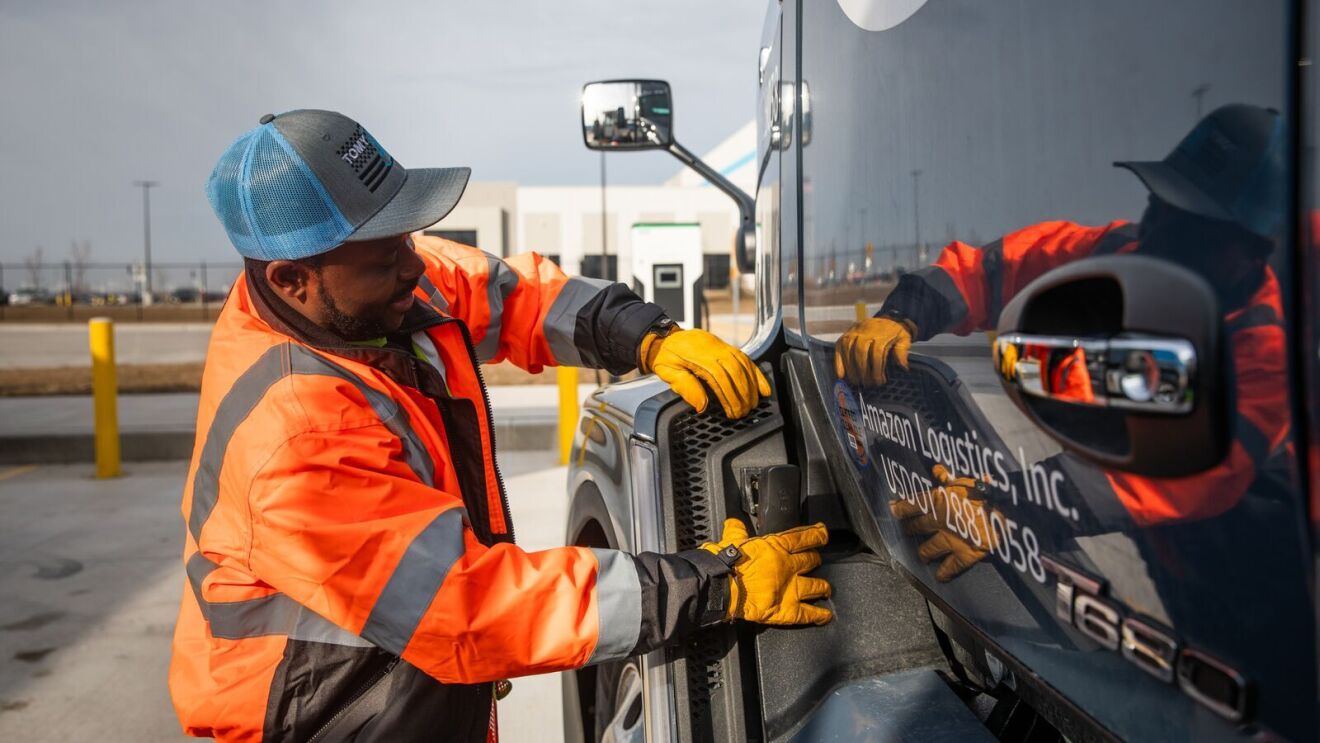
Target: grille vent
{"points": [[919, 391], [692, 437]]}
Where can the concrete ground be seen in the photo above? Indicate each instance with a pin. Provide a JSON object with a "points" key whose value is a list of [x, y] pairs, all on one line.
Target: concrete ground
{"points": [[91, 578], [58, 429], [49, 345], [46, 345], [177, 411]]}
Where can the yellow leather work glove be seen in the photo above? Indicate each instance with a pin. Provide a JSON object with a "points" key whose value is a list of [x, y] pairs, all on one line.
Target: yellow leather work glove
{"points": [[860, 354], [1006, 361], [735, 533], [971, 517], [688, 358], [768, 584]]}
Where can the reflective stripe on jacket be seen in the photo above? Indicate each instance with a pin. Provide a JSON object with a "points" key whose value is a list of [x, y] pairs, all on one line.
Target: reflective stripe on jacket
{"points": [[347, 526], [966, 287]]}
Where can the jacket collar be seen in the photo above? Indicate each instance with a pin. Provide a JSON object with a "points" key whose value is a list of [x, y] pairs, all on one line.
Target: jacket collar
{"points": [[400, 366]]}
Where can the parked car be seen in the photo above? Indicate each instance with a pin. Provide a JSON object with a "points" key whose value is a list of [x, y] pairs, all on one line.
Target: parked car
{"points": [[1085, 510], [30, 295], [184, 295]]}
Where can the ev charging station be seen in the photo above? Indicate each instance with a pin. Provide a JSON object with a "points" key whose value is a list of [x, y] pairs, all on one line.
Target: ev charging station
{"points": [[667, 268]]}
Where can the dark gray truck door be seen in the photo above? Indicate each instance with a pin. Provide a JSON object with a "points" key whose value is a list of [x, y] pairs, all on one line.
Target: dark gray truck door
{"points": [[1154, 576]]}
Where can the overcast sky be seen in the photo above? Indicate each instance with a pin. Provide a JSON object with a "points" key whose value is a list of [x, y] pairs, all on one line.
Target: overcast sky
{"points": [[99, 94]]}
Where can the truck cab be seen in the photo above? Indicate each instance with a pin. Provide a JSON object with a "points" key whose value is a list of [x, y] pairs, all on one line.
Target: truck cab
{"points": [[1084, 507]]}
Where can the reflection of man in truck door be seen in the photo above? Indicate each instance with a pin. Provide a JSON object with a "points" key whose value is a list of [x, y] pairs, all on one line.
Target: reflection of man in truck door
{"points": [[1216, 206]]}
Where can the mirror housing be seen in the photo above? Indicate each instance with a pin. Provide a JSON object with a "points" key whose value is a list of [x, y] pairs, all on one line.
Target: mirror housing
{"points": [[627, 115]]}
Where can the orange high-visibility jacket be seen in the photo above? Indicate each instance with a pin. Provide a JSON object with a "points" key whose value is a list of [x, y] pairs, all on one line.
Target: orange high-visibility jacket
{"points": [[966, 287], [348, 540]]}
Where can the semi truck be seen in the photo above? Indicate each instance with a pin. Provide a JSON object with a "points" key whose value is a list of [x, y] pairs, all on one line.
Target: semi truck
{"points": [[1084, 506]]}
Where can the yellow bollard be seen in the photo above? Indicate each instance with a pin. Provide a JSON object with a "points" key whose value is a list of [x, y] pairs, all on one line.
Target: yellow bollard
{"points": [[568, 410], [860, 309], [101, 340]]}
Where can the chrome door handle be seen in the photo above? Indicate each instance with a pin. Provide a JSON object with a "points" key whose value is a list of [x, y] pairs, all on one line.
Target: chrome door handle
{"points": [[1131, 371]]}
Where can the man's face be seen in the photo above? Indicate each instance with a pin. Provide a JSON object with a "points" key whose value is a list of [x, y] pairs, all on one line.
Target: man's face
{"points": [[359, 290], [1231, 259]]}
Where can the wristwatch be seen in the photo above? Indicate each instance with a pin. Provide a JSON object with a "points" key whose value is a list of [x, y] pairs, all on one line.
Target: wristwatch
{"points": [[663, 327], [901, 319], [891, 313]]}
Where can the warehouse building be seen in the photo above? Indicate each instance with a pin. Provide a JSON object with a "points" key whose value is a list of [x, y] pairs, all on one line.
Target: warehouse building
{"points": [[564, 222]]}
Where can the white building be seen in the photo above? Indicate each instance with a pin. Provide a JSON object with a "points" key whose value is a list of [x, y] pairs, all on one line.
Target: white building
{"points": [[564, 222]]}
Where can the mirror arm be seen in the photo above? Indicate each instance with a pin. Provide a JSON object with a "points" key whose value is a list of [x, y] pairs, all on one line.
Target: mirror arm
{"points": [[746, 205]]}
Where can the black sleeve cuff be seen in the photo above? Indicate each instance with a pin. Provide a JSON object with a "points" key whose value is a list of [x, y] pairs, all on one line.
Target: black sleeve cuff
{"points": [[916, 300], [717, 588], [681, 593], [610, 328]]}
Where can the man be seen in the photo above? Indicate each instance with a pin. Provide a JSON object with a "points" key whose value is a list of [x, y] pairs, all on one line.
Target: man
{"points": [[349, 552], [1216, 206]]}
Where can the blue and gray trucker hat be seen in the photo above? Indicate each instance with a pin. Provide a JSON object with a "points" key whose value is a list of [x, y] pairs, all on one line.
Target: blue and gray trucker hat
{"points": [[304, 182], [1231, 167]]}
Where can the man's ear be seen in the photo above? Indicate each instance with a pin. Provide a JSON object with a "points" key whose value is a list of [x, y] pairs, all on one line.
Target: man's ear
{"points": [[291, 279]]}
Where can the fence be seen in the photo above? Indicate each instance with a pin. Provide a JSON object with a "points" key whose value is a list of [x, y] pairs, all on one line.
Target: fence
{"points": [[70, 291], [73, 291], [825, 266]]}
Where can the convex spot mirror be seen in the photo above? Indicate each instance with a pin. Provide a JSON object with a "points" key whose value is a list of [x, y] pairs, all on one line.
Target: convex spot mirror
{"points": [[627, 115]]}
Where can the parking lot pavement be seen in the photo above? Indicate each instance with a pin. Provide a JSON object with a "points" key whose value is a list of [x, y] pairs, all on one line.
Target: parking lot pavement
{"points": [[91, 580], [90, 574], [539, 502], [45, 345], [58, 428]]}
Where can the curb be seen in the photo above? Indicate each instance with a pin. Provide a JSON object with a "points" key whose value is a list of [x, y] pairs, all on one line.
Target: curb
{"points": [[140, 446], [521, 434]]}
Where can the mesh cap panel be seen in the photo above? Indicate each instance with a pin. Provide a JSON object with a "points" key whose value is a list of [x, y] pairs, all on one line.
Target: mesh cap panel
{"points": [[269, 202], [223, 191]]}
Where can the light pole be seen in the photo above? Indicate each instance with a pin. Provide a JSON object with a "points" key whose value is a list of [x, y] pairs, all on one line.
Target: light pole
{"points": [[146, 187], [916, 216], [1199, 94]]}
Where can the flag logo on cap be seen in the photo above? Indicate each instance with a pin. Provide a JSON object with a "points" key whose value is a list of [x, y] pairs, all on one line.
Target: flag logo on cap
{"points": [[368, 159]]}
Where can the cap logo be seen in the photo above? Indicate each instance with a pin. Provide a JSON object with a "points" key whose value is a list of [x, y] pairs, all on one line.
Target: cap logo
{"points": [[1209, 150], [368, 160], [356, 147]]}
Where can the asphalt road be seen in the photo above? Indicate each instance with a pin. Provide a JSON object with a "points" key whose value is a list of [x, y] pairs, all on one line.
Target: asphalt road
{"points": [[91, 577], [47, 345]]}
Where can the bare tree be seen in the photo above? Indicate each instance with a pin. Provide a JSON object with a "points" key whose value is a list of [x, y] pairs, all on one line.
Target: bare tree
{"points": [[80, 254], [33, 264]]}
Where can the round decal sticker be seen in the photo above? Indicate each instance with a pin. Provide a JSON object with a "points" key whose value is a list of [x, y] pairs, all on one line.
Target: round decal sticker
{"points": [[880, 15], [850, 418]]}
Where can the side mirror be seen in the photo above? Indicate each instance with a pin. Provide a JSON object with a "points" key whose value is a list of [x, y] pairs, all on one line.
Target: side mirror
{"points": [[624, 115], [1118, 359], [627, 115]]}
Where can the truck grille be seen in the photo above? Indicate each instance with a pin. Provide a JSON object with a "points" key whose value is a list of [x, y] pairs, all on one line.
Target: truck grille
{"points": [[919, 390], [692, 437]]}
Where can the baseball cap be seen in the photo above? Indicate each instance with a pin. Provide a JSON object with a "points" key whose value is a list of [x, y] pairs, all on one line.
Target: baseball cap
{"points": [[1230, 167], [303, 182]]}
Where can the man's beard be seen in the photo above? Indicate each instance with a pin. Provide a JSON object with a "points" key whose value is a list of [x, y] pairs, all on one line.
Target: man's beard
{"points": [[351, 327], [1194, 244]]}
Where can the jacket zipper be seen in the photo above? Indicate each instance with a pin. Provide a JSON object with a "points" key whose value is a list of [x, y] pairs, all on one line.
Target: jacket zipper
{"points": [[362, 690], [485, 398], [490, 430]]}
